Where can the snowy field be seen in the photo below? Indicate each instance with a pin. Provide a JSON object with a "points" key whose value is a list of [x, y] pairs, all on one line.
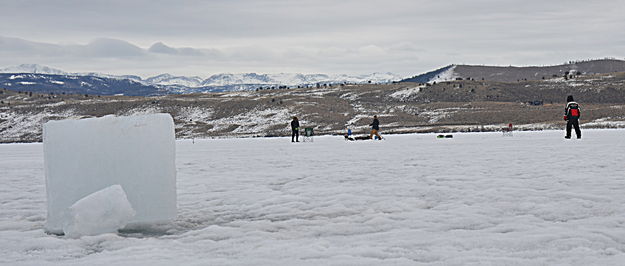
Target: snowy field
{"points": [[476, 199]]}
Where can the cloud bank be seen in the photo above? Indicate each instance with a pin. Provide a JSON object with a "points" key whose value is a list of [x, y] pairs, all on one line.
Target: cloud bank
{"points": [[322, 36]]}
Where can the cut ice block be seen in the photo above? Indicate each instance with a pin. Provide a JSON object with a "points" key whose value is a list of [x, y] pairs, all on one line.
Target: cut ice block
{"points": [[104, 211], [84, 156]]}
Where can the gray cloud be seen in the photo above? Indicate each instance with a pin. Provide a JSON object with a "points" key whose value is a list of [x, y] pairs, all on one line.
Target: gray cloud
{"points": [[161, 48], [109, 48], [350, 36]]}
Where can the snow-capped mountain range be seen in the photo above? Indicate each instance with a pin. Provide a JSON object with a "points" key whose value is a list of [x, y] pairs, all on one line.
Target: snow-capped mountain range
{"points": [[228, 79]]}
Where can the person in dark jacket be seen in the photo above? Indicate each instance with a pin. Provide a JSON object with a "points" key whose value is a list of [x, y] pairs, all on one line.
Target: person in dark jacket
{"points": [[295, 130], [571, 115], [375, 127]]}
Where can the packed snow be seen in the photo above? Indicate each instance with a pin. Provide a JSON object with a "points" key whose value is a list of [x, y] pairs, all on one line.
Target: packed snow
{"points": [[104, 211], [477, 199], [85, 156]]}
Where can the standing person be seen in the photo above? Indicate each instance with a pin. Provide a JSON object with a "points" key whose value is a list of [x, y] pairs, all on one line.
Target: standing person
{"points": [[295, 130], [375, 127], [571, 115]]}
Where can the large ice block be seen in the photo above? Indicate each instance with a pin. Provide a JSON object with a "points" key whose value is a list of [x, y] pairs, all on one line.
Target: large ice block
{"points": [[84, 156]]}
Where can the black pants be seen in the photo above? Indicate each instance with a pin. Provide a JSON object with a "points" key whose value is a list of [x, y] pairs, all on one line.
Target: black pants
{"points": [[573, 123], [295, 135]]}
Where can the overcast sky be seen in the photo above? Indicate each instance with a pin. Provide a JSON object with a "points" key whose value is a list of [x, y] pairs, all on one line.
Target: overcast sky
{"points": [[149, 37]]}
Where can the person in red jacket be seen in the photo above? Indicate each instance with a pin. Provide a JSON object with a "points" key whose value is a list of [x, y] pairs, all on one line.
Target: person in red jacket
{"points": [[571, 115]]}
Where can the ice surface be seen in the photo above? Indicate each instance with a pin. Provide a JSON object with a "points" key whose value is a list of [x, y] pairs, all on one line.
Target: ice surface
{"points": [[104, 211], [477, 199], [84, 156]]}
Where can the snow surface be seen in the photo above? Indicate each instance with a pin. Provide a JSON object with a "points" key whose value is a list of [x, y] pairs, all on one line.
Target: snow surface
{"points": [[477, 199], [103, 211], [84, 156]]}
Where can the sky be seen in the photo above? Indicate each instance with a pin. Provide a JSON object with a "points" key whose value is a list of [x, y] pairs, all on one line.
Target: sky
{"points": [[201, 38]]}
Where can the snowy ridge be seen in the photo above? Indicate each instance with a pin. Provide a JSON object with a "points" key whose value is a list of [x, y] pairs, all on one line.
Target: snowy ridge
{"points": [[184, 83], [447, 75], [287, 79], [168, 79], [520, 73], [33, 68]]}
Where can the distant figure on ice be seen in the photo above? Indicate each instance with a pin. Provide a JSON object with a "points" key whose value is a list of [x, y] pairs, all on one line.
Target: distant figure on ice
{"points": [[571, 115], [295, 130], [375, 127]]}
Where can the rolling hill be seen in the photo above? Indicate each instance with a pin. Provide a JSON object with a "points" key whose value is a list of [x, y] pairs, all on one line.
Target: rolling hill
{"points": [[512, 73]]}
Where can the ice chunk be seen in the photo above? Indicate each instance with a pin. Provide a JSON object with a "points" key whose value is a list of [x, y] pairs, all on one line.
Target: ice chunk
{"points": [[136, 152], [104, 211]]}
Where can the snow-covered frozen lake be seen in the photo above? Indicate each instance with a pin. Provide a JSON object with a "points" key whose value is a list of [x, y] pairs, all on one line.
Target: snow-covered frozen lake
{"points": [[476, 199]]}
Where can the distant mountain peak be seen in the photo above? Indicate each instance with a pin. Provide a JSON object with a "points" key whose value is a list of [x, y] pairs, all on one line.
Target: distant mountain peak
{"points": [[33, 68]]}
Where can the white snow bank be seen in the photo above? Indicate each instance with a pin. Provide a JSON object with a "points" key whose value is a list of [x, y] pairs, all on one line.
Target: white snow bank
{"points": [[104, 211], [84, 156]]}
